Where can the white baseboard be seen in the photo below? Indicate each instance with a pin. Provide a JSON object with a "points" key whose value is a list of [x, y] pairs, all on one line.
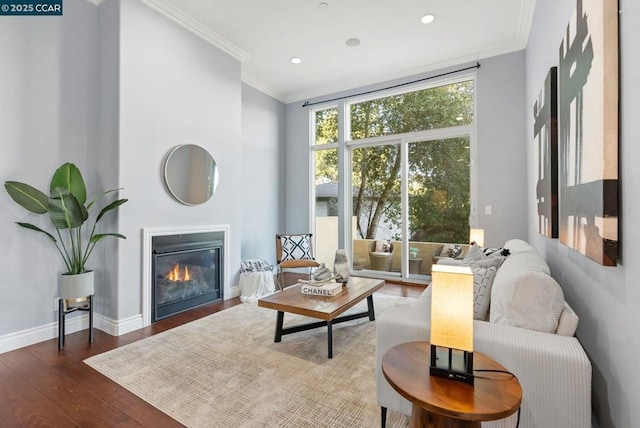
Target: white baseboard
{"points": [[119, 327], [31, 336], [34, 335], [233, 292]]}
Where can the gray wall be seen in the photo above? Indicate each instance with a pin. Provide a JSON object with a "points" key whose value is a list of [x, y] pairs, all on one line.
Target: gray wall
{"points": [[297, 170], [113, 89], [48, 116], [501, 165], [605, 298], [108, 171], [501, 152], [263, 137], [175, 88]]}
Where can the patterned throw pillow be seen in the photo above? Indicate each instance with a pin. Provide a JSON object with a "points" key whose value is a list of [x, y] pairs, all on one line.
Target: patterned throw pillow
{"points": [[296, 247], [451, 250], [496, 252], [482, 283], [477, 253]]}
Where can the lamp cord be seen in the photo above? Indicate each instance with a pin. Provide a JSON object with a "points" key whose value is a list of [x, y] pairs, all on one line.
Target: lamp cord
{"points": [[493, 371], [499, 371]]}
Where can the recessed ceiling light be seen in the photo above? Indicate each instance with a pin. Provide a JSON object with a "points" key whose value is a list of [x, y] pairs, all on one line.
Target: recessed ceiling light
{"points": [[296, 60], [428, 18], [323, 5], [353, 42]]}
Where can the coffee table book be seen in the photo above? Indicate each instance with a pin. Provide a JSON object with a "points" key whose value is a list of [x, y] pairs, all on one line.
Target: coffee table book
{"points": [[329, 289]]}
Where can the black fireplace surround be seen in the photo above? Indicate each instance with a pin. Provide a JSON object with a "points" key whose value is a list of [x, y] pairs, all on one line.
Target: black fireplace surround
{"points": [[187, 272]]}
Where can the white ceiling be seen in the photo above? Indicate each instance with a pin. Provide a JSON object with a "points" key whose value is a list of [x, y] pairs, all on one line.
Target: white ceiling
{"points": [[265, 34]]}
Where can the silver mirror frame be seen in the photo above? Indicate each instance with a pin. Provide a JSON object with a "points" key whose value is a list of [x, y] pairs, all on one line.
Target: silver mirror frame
{"points": [[190, 174]]}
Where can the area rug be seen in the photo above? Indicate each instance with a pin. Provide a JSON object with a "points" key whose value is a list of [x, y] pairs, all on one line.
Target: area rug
{"points": [[224, 370]]}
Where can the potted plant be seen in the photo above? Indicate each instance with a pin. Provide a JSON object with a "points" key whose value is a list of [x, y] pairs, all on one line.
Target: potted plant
{"points": [[68, 214], [415, 264], [413, 252]]}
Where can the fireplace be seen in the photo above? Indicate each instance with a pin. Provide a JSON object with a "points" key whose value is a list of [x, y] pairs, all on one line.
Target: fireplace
{"points": [[187, 271]]}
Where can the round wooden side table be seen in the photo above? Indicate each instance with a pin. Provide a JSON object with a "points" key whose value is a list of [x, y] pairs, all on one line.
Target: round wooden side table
{"points": [[439, 402]]}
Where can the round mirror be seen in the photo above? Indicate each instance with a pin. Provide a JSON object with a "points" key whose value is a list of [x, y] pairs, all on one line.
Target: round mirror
{"points": [[190, 174]]}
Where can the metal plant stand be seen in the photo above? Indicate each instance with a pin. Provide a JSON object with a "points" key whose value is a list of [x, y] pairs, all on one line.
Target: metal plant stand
{"points": [[62, 313]]}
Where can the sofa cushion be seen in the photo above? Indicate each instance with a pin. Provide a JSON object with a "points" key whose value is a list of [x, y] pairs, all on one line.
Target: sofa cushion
{"points": [[518, 246], [525, 262], [526, 299], [568, 322]]}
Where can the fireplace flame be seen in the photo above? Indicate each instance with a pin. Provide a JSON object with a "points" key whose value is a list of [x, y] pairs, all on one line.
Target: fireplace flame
{"points": [[176, 274]]}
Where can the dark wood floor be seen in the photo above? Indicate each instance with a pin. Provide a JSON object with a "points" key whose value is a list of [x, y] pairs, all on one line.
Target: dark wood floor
{"points": [[43, 387]]}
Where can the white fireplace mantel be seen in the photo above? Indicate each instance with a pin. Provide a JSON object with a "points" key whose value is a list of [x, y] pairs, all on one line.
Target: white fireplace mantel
{"points": [[148, 233]]}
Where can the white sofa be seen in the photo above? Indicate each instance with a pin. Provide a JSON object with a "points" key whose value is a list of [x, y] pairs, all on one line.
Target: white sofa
{"points": [[551, 365]]}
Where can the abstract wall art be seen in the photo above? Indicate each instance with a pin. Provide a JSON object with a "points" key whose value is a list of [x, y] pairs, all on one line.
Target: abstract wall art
{"points": [[588, 131], [545, 134]]}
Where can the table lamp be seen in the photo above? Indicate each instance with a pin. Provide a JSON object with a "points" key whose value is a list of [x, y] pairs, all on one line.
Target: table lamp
{"points": [[452, 323], [477, 236]]}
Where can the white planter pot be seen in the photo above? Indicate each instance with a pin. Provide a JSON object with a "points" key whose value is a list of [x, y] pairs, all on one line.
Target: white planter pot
{"points": [[76, 286]]}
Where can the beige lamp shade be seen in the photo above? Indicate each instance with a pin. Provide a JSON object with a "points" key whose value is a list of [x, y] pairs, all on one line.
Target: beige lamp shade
{"points": [[452, 307], [477, 236]]}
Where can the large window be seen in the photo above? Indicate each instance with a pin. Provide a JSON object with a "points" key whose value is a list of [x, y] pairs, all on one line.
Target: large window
{"points": [[408, 167], [432, 108]]}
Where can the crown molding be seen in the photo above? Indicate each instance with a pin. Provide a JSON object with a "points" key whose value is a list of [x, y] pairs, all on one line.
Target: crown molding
{"points": [[262, 87], [412, 70], [526, 20], [196, 28]]}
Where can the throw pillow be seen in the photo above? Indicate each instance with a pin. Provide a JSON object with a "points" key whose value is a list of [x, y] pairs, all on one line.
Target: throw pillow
{"points": [[484, 263], [382, 246], [295, 247], [495, 252], [474, 253], [477, 253], [482, 282], [451, 250]]}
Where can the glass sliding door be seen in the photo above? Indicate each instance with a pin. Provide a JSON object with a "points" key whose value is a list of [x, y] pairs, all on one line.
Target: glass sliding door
{"points": [[438, 193], [376, 211], [326, 182], [326, 203]]}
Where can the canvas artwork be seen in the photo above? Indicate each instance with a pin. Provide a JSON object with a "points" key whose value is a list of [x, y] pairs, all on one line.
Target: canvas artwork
{"points": [[588, 131], [545, 133]]}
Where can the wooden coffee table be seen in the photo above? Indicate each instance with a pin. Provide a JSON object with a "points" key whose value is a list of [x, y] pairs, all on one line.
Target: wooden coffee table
{"points": [[441, 402], [327, 309]]}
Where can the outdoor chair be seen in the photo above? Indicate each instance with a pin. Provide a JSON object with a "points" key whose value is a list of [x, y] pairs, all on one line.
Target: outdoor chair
{"points": [[380, 260]]}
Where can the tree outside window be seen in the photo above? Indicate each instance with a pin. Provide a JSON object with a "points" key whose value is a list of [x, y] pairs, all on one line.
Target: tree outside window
{"points": [[438, 185]]}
